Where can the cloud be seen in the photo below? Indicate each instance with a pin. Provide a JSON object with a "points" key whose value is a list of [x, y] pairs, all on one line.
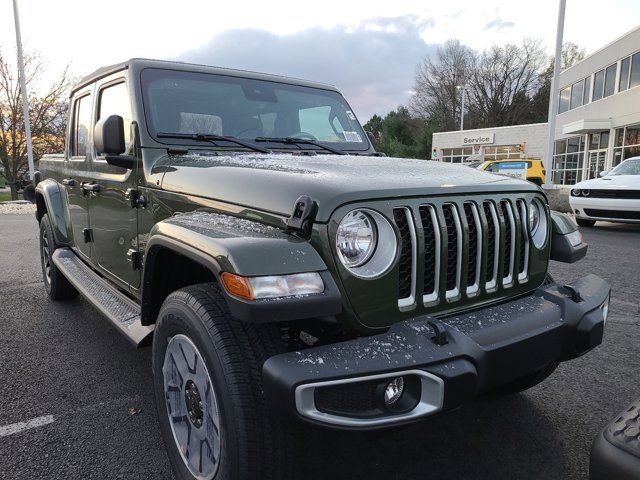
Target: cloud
{"points": [[499, 24], [372, 63]]}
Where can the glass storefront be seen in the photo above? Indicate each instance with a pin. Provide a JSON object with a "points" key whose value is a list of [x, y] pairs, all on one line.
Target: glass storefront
{"points": [[627, 143], [568, 161], [456, 155]]}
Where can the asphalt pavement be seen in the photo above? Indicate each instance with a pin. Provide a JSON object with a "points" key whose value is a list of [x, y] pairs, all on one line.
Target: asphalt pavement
{"points": [[76, 399]]}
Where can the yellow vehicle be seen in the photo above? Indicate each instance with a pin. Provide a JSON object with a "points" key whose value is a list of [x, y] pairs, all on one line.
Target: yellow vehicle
{"points": [[535, 168]]}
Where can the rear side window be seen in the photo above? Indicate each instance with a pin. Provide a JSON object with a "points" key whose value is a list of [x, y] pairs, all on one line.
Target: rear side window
{"points": [[81, 125], [114, 100]]}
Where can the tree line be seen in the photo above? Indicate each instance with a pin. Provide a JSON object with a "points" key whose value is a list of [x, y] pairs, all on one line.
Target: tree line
{"points": [[504, 85]]}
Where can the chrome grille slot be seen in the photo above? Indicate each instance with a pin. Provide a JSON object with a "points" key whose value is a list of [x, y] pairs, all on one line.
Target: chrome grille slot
{"points": [[523, 265], [454, 251], [493, 245], [408, 258], [474, 262], [508, 259], [432, 251]]}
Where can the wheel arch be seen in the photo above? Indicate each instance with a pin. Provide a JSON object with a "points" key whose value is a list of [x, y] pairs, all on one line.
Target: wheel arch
{"points": [[52, 200]]}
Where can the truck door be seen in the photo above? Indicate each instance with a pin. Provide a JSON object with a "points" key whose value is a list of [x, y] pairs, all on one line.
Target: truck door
{"points": [[114, 222], [76, 170]]}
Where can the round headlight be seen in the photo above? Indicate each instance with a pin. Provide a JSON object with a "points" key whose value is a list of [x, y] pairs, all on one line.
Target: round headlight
{"points": [[534, 219], [575, 192], [586, 193], [356, 238], [538, 223]]}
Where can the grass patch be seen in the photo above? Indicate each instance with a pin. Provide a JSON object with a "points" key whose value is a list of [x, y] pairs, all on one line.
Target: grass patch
{"points": [[6, 196]]}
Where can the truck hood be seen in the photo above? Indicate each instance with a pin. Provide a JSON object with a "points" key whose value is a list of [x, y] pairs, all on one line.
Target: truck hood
{"points": [[274, 182]]}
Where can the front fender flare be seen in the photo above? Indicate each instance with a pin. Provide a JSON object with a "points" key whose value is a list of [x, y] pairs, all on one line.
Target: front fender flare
{"points": [[223, 243], [56, 204]]}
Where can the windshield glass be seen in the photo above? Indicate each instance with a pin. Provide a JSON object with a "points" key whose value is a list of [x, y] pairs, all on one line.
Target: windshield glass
{"points": [[628, 167], [210, 104]]}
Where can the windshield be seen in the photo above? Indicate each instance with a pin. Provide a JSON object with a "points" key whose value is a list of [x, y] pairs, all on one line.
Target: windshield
{"points": [[202, 103], [628, 167]]}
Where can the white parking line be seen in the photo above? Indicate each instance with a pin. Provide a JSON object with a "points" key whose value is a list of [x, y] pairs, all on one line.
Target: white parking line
{"points": [[22, 426]]}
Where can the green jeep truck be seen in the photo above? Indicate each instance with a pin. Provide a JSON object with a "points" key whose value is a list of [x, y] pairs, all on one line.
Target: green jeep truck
{"points": [[286, 273]]}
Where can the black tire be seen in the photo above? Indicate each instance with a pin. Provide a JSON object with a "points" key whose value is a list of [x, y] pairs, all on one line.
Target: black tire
{"points": [[55, 283], [583, 222], [253, 445], [524, 383]]}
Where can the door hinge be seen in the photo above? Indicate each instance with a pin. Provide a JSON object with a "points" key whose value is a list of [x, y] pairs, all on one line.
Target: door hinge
{"points": [[135, 257], [136, 200], [87, 234]]}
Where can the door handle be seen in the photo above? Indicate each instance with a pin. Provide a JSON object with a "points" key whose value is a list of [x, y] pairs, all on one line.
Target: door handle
{"points": [[91, 187], [69, 182]]}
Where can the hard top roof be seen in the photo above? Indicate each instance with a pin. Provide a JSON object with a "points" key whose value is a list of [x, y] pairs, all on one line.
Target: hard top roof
{"points": [[141, 63]]}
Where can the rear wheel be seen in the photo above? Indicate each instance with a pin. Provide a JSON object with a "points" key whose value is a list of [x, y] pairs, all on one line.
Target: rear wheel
{"points": [[208, 387], [56, 284], [583, 222]]}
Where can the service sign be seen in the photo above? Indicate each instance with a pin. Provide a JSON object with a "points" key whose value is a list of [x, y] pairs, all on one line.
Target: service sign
{"points": [[483, 139], [512, 169]]}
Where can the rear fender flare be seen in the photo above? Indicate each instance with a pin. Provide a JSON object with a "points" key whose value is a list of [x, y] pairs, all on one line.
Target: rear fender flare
{"points": [[51, 198]]}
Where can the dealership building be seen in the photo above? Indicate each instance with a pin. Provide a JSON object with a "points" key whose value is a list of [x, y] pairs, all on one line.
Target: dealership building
{"points": [[597, 126]]}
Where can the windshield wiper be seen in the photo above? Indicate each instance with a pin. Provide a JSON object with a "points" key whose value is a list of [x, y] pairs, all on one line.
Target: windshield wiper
{"points": [[206, 137], [296, 141]]}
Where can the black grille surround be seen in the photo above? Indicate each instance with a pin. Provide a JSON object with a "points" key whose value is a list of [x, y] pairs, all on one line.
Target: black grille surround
{"points": [[617, 214], [611, 193]]}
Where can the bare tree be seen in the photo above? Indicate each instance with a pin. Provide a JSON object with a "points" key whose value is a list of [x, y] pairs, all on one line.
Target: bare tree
{"points": [[47, 114], [436, 96], [502, 82]]}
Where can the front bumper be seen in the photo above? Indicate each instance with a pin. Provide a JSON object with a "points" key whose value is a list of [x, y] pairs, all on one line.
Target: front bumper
{"points": [[483, 350], [625, 210]]}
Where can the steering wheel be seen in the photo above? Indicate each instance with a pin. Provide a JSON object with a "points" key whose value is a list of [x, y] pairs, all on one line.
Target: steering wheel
{"points": [[304, 136]]}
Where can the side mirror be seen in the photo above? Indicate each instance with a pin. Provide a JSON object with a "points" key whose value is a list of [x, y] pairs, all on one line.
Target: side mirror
{"points": [[603, 173], [108, 138]]}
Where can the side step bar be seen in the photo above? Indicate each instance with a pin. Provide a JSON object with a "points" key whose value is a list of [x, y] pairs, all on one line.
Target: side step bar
{"points": [[119, 309]]}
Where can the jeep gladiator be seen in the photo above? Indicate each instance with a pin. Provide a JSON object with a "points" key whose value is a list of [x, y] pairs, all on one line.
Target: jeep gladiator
{"points": [[286, 274]]}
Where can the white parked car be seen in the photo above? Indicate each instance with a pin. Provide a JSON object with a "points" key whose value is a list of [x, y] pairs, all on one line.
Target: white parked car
{"points": [[615, 197]]}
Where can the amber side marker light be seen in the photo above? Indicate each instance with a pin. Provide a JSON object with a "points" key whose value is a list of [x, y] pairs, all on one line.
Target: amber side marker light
{"points": [[272, 286], [237, 285]]}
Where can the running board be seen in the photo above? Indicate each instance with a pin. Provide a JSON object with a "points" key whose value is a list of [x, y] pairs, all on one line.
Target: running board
{"points": [[123, 313]]}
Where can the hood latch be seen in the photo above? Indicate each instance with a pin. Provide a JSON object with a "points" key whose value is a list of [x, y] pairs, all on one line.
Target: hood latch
{"points": [[304, 213]]}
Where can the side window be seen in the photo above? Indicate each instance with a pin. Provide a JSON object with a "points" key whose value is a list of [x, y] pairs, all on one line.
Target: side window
{"points": [[81, 126], [114, 100]]}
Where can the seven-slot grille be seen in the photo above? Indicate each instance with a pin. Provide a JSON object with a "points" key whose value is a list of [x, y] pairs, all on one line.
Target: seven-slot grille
{"points": [[468, 248]]}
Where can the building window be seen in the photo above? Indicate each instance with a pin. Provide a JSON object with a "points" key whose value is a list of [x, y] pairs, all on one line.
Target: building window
{"points": [[502, 152], [598, 85], [577, 91], [627, 143], [565, 98], [598, 141], [624, 74], [634, 78], [610, 80], [587, 90], [568, 160], [456, 155]]}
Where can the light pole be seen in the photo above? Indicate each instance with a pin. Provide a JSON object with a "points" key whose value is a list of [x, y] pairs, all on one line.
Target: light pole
{"points": [[23, 91], [553, 98], [464, 91]]}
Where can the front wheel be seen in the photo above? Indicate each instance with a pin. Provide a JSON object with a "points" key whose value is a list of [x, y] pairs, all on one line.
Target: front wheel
{"points": [[208, 388], [583, 222]]}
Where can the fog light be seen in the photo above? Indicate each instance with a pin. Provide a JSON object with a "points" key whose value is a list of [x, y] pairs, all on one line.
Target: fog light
{"points": [[605, 309], [394, 390]]}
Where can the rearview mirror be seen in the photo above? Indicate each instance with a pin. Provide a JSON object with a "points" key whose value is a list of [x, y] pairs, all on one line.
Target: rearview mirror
{"points": [[603, 173], [108, 138]]}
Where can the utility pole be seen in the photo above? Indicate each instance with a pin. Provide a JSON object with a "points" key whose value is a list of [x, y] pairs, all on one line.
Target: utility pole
{"points": [[464, 91], [23, 90], [553, 98]]}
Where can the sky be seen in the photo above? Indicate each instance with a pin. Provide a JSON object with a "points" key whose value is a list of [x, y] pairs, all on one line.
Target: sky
{"points": [[369, 50]]}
